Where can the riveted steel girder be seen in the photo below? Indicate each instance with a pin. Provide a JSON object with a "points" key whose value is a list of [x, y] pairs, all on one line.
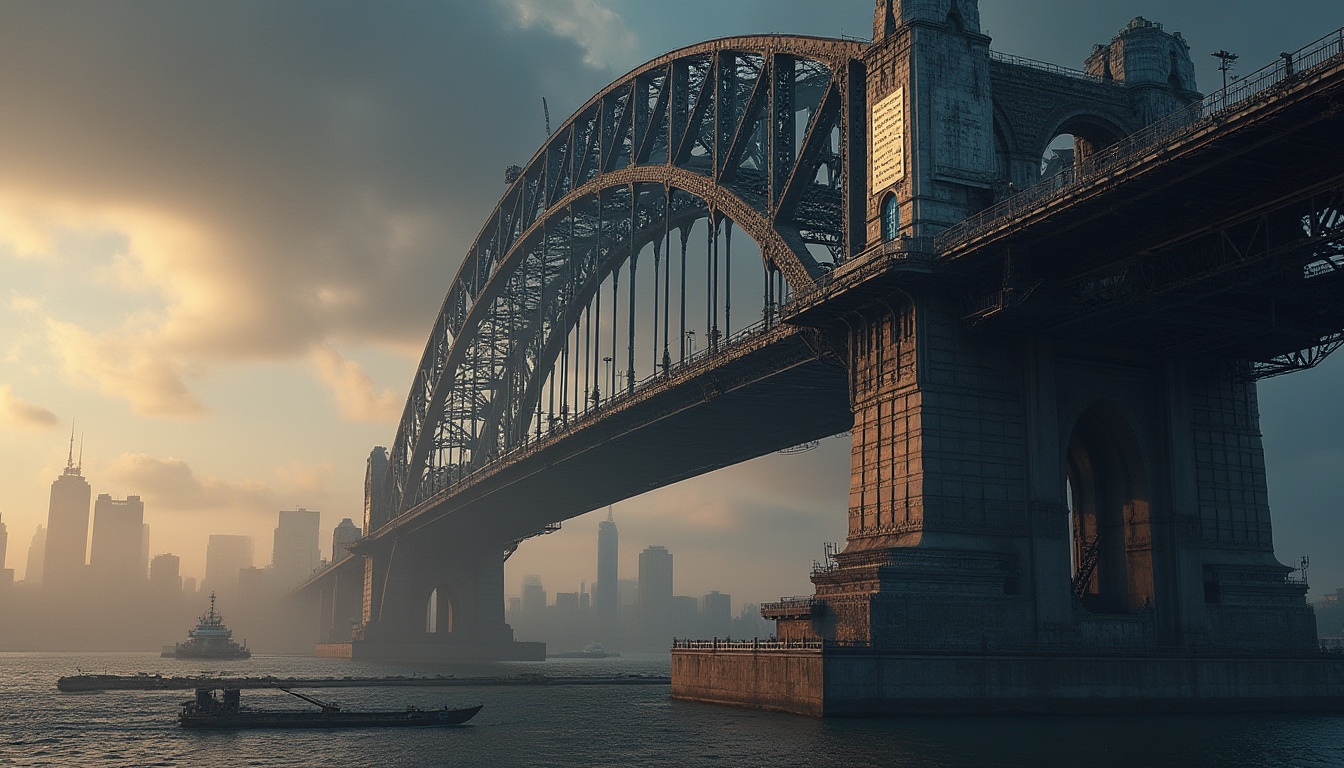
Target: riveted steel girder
{"points": [[704, 132]]}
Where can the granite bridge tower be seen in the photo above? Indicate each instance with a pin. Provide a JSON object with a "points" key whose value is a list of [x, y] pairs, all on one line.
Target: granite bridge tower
{"points": [[1049, 506]]}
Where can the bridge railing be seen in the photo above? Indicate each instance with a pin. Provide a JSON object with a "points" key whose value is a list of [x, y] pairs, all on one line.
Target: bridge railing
{"points": [[1044, 66], [1179, 124], [699, 359], [748, 645]]}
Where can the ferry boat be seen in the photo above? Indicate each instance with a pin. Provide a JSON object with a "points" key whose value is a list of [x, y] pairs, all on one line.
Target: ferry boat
{"points": [[207, 711], [209, 640]]}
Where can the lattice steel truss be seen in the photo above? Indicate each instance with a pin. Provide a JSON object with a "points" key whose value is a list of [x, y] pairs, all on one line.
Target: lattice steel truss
{"points": [[764, 133]]}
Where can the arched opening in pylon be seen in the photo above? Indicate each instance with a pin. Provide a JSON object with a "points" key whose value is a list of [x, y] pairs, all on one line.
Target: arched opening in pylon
{"points": [[1111, 556], [439, 612], [1074, 143]]}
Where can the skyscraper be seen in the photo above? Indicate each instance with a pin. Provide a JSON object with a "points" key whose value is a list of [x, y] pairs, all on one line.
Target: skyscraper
{"points": [[165, 578], [295, 555], [716, 612], [655, 592], [534, 597], [6, 575], [345, 534], [37, 551], [375, 513], [606, 597], [225, 555], [118, 532], [67, 526]]}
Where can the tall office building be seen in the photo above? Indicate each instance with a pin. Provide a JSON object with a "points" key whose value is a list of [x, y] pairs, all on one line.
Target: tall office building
{"points": [[655, 592], [67, 526], [37, 551], [534, 597], [225, 556], [606, 595], [295, 555], [345, 535], [115, 558], [6, 574], [716, 612], [165, 575], [375, 505]]}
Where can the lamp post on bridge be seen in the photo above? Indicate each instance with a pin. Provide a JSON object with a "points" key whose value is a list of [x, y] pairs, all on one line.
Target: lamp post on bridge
{"points": [[1227, 60]]}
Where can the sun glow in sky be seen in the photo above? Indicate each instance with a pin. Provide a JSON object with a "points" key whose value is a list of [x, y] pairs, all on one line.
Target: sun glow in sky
{"points": [[225, 230]]}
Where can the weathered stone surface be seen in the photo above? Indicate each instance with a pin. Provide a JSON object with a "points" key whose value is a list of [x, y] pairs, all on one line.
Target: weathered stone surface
{"points": [[1031, 509], [841, 682]]}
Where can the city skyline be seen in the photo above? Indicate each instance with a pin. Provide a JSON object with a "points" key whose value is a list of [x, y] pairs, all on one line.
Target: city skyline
{"points": [[208, 389]]}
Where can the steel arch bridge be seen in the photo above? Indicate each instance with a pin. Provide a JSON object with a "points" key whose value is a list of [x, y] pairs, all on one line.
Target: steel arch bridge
{"points": [[763, 133]]}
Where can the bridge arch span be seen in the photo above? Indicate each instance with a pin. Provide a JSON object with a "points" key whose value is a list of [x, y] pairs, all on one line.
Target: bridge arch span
{"points": [[761, 133]]}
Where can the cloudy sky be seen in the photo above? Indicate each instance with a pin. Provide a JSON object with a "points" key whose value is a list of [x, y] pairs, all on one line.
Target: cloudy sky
{"points": [[225, 229]]}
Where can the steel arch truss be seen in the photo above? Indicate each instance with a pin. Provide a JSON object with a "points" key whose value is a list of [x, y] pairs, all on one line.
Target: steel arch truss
{"points": [[765, 133]]}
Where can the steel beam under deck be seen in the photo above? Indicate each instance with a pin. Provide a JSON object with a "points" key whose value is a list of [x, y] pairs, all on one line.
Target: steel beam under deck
{"points": [[1153, 235], [746, 403]]}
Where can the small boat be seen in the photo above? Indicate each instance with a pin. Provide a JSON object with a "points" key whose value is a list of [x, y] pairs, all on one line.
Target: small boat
{"points": [[590, 651], [209, 640], [207, 711]]}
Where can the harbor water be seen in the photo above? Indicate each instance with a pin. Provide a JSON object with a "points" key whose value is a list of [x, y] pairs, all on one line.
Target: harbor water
{"points": [[637, 725]]}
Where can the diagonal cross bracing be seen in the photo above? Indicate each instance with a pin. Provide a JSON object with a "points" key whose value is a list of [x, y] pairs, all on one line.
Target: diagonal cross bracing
{"points": [[706, 132]]}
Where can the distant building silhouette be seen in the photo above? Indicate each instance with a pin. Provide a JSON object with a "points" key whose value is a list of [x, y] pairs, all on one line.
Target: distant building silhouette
{"points": [[189, 586], [254, 584], [67, 526], [606, 593], [655, 593], [345, 535], [716, 614], [225, 555], [37, 551], [295, 555], [165, 577], [534, 597], [375, 514], [115, 559], [6, 574]]}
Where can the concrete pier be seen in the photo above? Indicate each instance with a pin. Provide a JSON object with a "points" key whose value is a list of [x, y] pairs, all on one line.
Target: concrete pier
{"points": [[810, 679]]}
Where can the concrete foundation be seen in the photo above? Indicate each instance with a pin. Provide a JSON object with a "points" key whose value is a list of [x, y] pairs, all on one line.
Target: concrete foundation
{"points": [[332, 650], [826, 682]]}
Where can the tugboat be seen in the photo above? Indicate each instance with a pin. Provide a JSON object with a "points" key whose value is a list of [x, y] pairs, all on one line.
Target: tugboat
{"points": [[207, 711], [209, 640]]}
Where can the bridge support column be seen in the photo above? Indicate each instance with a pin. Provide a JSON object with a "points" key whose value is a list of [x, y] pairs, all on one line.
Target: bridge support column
{"points": [[438, 598], [342, 601], [985, 477], [1029, 496]]}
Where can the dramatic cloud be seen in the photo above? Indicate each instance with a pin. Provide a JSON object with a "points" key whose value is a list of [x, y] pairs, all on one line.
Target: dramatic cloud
{"points": [[590, 23], [311, 481], [21, 413], [357, 399], [318, 181], [170, 485], [125, 366]]}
